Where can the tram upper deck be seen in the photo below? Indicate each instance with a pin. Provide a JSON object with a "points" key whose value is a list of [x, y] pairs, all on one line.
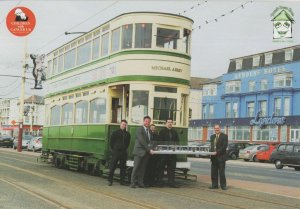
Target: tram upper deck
{"points": [[138, 62]]}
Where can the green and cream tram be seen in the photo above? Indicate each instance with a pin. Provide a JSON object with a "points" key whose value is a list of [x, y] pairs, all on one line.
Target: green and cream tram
{"points": [[134, 65]]}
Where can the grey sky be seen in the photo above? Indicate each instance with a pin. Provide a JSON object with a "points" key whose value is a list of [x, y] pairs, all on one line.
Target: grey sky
{"points": [[243, 32]]}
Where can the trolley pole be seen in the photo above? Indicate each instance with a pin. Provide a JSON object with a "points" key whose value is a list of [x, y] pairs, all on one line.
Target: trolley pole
{"points": [[22, 95]]}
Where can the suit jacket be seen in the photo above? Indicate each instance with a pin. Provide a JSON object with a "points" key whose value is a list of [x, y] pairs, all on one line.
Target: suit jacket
{"points": [[142, 143], [165, 136], [221, 147]]}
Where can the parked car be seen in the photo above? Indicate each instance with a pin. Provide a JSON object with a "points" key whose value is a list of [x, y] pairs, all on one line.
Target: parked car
{"points": [[6, 141], [249, 153], [25, 140], [265, 153], [286, 154], [234, 148], [35, 144]]}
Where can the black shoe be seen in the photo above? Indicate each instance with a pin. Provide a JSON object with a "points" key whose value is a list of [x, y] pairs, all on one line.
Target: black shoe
{"points": [[141, 185], [110, 183], [123, 183], [213, 187], [173, 185], [224, 188]]}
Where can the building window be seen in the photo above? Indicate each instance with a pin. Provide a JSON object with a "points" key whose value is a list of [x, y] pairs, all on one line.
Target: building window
{"points": [[55, 66], [251, 86], [268, 58], [283, 80], [263, 108], [211, 113], [277, 106], [167, 38], [240, 133], [210, 90], [104, 44], [70, 58], [96, 48], [81, 112], [204, 111], [289, 55], [55, 115], [287, 104], [250, 109], [127, 36], [268, 133], [235, 110], [238, 64], [115, 40], [143, 35], [84, 53], [264, 84], [195, 134], [256, 60], [67, 114], [98, 110], [228, 109], [232, 87]]}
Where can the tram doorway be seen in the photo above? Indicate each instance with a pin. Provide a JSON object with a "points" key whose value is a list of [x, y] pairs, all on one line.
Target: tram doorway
{"points": [[119, 102]]}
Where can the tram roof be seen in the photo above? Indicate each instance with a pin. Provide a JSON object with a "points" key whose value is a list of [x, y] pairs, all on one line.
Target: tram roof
{"points": [[128, 13]]}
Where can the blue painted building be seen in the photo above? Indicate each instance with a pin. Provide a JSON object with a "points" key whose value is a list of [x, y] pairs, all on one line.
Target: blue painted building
{"points": [[257, 100]]}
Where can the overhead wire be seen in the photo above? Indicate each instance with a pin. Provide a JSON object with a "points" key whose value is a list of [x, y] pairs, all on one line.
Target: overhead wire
{"points": [[62, 34]]}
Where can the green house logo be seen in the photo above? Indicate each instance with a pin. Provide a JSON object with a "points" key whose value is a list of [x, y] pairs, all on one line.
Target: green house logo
{"points": [[282, 22]]}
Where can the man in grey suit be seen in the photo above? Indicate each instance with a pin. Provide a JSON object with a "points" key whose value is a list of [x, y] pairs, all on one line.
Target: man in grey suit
{"points": [[141, 151]]}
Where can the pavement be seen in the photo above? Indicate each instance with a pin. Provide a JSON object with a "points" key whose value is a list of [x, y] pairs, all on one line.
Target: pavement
{"points": [[243, 184], [250, 185]]}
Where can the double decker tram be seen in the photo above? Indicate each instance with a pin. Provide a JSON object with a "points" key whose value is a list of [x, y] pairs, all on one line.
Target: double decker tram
{"points": [[134, 65]]}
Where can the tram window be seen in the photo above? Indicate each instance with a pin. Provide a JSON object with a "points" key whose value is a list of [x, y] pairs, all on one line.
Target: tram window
{"points": [[143, 35], [81, 112], [84, 53], [164, 108], [98, 110], [104, 44], [60, 63], [70, 59], [165, 89], [115, 40], [55, 66], [50, 69], [96, 48], [167, 38], [67, 113], [139, 106], [55, 115], [186, 39], [127, 36]]}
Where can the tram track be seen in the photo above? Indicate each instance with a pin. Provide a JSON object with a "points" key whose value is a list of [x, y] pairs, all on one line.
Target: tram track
{"points": [[189, 192], [225, 194], [33, 193]]}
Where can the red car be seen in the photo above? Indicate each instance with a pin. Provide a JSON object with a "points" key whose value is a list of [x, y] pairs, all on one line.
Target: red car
{"points": [[265, 153]]}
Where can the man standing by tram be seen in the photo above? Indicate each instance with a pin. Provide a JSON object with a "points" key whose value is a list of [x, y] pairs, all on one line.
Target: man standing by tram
{"points": [[169, 136], [218, 145], [119, 142], [142, 150]]}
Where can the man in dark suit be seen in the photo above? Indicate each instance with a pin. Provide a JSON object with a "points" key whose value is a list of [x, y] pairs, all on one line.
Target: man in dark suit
{"points": [[119, 142], [151, 174], [141, 151], [218, 145], [169, 136]]}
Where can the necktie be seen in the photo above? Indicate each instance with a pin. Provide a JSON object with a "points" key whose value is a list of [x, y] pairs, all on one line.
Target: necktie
{"points": [[148, 134]]}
